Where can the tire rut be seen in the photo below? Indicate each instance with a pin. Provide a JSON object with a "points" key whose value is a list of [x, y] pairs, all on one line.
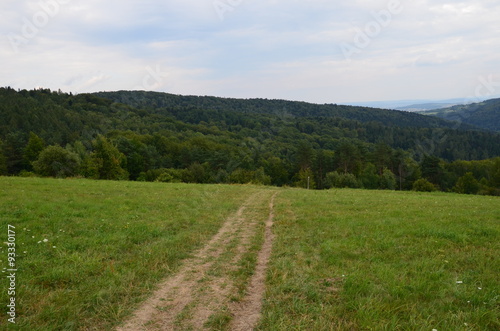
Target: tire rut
{"points": [[203, 286]]}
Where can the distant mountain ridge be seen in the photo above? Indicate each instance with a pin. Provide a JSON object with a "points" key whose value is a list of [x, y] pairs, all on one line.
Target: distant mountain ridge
{"points": [[417, 104], [485, 115], [426, 106]]}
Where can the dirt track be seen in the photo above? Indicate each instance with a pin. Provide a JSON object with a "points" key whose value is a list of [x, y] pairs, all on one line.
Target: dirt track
{"points": [[200, 293]]}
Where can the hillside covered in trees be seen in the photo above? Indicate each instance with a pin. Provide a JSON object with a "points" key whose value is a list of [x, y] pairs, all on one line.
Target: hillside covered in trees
{"points": [[484, 114], [162, 137]]}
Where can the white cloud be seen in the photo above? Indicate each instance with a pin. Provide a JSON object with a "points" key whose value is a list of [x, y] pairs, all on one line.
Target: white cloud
{"points": [[275, 49]]}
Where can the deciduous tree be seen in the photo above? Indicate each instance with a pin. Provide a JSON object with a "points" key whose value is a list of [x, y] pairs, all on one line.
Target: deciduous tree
{"points": [[55, 161]]}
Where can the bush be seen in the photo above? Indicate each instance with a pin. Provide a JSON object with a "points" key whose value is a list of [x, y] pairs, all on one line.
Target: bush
{"points": [[423, 185], [55, 161], [196, 173], [467, 184], [243, 176], [27, 174], [260, 177], [165, 177], [240, 176], [334, 179]]}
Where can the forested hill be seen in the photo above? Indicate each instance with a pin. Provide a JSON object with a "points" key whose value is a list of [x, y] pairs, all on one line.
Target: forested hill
{"points": [[282, 108], [157, 100], [157, 136], [484, 114]]}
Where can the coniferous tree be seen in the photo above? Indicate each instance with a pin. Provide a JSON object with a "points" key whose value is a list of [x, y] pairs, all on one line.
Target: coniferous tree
{"points": [[32, 150], [432, 170]]}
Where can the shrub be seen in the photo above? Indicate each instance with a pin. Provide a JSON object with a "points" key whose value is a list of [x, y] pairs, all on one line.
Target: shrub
{"points": [[334, 179], [27, 174], [467, 184], [423, 185], [55, 161]]}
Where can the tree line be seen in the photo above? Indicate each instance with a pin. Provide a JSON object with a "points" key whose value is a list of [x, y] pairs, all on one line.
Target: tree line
{"points": [[56, 134]]}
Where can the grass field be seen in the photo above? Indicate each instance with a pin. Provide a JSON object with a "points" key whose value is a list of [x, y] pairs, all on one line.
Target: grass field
{"points": [[367, 260], [88, 252], [107, 244]]}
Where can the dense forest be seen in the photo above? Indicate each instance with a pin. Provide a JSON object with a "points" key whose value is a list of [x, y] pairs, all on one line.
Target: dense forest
{"points": [[148, 136], [484, 114]]}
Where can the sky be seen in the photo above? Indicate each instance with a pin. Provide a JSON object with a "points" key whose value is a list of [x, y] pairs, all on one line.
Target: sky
{"points": [[321, 51]]}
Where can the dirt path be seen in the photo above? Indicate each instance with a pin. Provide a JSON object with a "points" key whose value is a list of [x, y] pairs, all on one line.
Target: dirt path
{"points": [[203, 294]]}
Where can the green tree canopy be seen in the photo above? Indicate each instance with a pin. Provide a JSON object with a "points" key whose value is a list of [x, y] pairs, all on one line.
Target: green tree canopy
{"points": [[55, 161], [348, 158], [32, 150], [467, 184], [105, 162], [335, 179], [3, 161], [387, 181], [432, 170]]}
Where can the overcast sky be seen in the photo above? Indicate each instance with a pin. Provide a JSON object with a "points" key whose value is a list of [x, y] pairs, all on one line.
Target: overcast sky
{"points": [[323, 51]]}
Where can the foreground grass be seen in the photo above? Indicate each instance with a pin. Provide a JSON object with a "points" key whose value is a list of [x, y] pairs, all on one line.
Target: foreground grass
{"points": [[342, 259], [90, 251], [367, 260]]}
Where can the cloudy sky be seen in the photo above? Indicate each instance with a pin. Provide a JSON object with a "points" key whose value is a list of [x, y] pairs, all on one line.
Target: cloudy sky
{"points": [[324, 51]]}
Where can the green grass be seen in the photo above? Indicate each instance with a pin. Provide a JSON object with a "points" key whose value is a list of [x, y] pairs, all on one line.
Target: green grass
{"points": [[342, 259], [381, 260], [108, 244]]}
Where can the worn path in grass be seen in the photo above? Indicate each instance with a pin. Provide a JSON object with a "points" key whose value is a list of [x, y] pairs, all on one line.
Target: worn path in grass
{"points": [[206, 292]]}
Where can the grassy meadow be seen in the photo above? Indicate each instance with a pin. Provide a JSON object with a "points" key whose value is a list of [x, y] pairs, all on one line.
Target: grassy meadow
{"points": [[90, 251], [384, 260]]}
